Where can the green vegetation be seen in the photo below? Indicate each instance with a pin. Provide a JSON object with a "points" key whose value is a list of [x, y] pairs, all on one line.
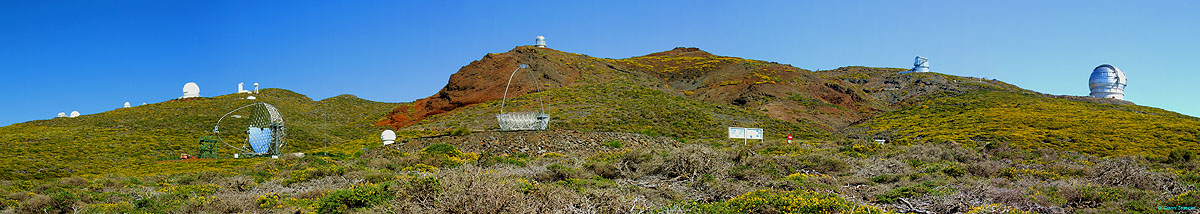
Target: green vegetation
{"points": [[131, 140], [1033, 121], [621, 106], [798, 201], [358, 196], [956, 144]]}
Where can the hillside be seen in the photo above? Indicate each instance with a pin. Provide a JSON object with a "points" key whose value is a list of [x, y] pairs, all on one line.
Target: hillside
{"points": [[634, 135], [822, 100], [138, 136], [1039, 121], [688, 87]]}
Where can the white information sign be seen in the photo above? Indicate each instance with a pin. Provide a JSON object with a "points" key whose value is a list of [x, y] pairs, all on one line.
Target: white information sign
{"points": [[746, 133], [737, 132], [753, 133]]}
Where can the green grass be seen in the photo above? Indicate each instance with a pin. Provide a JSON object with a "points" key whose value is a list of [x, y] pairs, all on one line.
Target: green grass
{"points": [[621, 106], [128, 140], [1034, 121]]}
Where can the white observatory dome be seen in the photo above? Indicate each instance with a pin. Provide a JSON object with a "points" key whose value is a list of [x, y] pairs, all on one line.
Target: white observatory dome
{"points": [[126, 104], [541, 42], [920, 64], [74, 114], [388, 137], [1107, 81], [62, 114], [190, 90]]}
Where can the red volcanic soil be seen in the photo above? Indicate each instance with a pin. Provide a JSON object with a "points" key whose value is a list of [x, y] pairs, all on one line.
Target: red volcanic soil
{"points": [[832, 100]]}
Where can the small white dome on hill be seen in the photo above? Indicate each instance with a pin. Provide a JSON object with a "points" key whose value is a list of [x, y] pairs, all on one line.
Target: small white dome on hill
{"points": [[126, 104], [190, 90], [388, 137], [62, 114], [74, 114], [540, 42]]}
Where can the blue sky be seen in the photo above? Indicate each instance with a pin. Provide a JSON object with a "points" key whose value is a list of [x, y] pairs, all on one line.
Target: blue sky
{"points": [[92, 56]]}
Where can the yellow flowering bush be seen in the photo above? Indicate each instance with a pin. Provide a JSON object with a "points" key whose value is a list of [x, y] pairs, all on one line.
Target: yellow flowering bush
{"points": [[360, 195], [421, 168], [775, 201], [552, 155]]}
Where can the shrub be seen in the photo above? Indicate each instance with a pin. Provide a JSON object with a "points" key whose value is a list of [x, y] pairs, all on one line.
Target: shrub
{"points": [[613, 144], [693, 160], [298, 176], [774, 201], [441, 149], [860, 149], [1180, 156], [893, 195], [487, 159], [1187, 199], [268, 201], [445, 155], [423, 188], [462, 131], [885, 179], [358, 196], [561, 172]]}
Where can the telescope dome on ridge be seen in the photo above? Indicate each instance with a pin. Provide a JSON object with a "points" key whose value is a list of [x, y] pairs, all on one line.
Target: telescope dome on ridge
{"points": [[1107, 81]]}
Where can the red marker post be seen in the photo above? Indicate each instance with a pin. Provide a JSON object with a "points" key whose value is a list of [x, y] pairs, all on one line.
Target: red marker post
{"points": [[789, 139]]}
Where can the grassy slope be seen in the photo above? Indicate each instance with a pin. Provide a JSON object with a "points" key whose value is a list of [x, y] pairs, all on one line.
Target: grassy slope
{"points": [[131, 139], [621, 106], [1032, 120]]}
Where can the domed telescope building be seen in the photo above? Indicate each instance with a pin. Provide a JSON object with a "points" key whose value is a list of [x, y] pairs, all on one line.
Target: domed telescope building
{"points": [[190, 90], [540, 42], [920, 64], [1107, 81]]}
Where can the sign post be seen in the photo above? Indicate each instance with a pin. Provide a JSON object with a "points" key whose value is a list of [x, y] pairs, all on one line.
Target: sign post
{"points": [[746, 134], [789, 139]]}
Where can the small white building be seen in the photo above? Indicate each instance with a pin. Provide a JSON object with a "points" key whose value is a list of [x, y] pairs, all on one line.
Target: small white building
{"points": [[74, 114], [62, 114], [126, 105]]}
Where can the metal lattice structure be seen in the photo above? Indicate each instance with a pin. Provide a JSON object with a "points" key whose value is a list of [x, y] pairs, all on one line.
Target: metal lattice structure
{"points": [[523, 120], [257, 129]]}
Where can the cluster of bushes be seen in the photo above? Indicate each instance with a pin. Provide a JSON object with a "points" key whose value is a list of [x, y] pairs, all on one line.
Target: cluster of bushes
{"points": [[841, 176], [795, 201]]}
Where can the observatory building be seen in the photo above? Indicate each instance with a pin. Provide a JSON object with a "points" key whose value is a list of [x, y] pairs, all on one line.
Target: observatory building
{"points": [[1107, 81], [920, 64], [190, 90], [62, 114], [126, 105], [540, 42], [240, 90], [74, 114], [388, 137]]}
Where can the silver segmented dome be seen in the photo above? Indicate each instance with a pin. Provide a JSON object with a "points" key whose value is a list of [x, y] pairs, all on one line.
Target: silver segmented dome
{"points": [[1107, 81]]}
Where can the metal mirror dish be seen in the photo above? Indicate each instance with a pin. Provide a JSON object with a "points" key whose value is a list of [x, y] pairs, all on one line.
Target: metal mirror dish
{"points": [[513, 121], [255, 129]]}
